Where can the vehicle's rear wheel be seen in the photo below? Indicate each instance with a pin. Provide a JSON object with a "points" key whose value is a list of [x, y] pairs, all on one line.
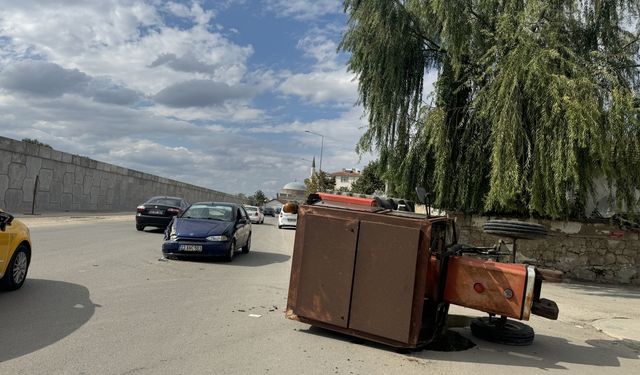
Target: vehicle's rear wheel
{"points": [[232, 251], [508, 332], [279, 226], [247, 246], [17, 270], [140, 227]]}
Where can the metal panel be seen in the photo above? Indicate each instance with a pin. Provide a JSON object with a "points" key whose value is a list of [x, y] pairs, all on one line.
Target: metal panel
{"points": [[384, 280], [493, 279], [326, 269]]}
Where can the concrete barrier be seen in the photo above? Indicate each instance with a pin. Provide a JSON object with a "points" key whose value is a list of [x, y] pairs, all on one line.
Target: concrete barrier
{"points": [[67, 182]]}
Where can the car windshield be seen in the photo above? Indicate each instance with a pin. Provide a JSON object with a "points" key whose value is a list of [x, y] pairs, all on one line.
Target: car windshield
{"points": [[211, 212], [165, 201]]}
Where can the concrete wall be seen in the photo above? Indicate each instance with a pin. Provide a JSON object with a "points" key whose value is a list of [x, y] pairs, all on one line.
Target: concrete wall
{"points": [[74, 183], [583, 251]]}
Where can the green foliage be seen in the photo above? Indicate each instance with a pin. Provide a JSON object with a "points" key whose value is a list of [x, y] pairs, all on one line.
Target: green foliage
{"points": [[260, 198], [369, 180], [319, 181], [534, 99], [35, 142]]}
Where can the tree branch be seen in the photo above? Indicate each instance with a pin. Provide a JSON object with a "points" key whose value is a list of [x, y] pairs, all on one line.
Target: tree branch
{"points": [[432, 44]]}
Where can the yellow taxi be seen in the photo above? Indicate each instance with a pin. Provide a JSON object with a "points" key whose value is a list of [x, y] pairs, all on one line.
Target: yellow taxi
{"points": [[15, 252]]}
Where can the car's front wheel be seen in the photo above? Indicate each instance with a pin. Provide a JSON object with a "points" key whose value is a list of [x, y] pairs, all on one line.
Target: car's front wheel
{"points": [[232, 251], [247, 246], [17, 270], [139, 227]]}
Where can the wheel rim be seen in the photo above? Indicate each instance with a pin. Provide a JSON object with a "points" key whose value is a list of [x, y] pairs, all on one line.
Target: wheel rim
{"points": [[20, 267]]}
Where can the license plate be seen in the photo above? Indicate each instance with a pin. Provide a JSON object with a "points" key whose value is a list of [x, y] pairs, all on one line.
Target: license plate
{"points": [[156, 212], [194, 248]]}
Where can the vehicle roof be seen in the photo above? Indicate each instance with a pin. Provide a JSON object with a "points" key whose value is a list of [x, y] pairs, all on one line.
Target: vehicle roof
{"points": [[164, 196], [218, 203]]}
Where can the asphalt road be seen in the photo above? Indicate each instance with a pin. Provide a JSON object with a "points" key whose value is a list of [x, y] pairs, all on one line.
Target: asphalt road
{"points": [[99, 300]]}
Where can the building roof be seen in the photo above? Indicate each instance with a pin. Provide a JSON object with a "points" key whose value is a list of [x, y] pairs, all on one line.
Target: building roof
{"points": [[294, 186], [346, 173]]}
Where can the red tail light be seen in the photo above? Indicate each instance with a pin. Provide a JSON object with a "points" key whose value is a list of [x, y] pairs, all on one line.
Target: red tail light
{"points": [[140, 208], [173, 211]]}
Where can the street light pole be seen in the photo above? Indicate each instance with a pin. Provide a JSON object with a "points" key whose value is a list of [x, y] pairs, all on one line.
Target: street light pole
{"points": [[321, 149]]}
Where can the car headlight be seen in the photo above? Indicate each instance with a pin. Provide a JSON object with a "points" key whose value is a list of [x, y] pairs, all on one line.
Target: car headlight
{"points": [[173, 237], [217, 238]]}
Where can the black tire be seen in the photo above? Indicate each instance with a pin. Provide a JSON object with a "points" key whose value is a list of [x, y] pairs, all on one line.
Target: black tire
{"points": [[139, 227], [515, 229], [8, 281], [510, 333], [232, 252], [247, 247], [279, 226]]}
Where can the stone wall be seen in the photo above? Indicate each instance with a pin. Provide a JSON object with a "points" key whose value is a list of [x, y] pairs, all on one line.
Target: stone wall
{"points": [[69, 182], [583, 251]]}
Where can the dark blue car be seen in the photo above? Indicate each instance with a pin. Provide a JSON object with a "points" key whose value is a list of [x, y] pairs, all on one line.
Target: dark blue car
{"points": [[208, 229]]}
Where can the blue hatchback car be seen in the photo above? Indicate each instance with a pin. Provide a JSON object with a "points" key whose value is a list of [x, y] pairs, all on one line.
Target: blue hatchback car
{"points": [[208, 229]]}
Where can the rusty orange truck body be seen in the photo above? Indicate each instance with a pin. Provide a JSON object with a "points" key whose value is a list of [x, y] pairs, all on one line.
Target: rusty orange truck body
{"points": [[387, 276]]}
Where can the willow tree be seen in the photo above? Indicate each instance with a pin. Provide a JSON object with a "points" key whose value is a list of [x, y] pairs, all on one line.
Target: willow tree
{"points": [[534, 99]]}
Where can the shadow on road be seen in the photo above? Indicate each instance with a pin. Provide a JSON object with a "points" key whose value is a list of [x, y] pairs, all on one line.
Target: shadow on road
{"points": [[39, 314], [265, 224], [252, 259], [258, 258], [546, 352]]}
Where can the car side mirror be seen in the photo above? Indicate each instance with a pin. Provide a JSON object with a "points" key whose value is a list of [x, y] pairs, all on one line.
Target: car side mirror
{"points": [[242, 220], [423, 197], [422, 194]]}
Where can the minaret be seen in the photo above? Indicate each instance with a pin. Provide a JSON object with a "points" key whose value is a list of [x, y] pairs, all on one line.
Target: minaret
{"points": [[313, 167]]}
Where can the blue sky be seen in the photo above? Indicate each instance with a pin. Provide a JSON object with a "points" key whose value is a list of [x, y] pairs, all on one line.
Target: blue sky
{"points": [[214, 93]]}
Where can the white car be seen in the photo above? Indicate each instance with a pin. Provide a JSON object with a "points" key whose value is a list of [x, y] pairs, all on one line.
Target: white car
{"points": [[288, 216], [255, 214]]}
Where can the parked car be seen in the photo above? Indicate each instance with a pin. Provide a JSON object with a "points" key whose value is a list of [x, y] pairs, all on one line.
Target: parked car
{"points": [[269, 211], [158, 211], [208, 229], [15, 252], [255, 214], [288, 216]]}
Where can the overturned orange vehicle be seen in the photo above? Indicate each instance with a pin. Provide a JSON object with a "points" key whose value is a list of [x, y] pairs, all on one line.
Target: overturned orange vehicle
{"points": [[389, 276]]}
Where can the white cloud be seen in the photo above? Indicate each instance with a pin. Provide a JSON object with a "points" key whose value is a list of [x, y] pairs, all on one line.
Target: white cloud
{"points": [[318, 87], [319, 46], [81, 76], [328, 80], [304, 9], [122, 40]]}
